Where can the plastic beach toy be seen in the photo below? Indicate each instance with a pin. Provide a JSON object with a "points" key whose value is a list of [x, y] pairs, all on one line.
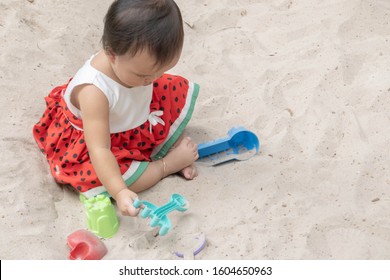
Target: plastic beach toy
{"points": [[158, 215], [85, 245], [241, 144], [194, 246], [101, 215]]}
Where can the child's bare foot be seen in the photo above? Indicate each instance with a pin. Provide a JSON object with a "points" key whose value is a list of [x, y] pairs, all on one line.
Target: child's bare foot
{"points": [[189, 172], [181, 158]]}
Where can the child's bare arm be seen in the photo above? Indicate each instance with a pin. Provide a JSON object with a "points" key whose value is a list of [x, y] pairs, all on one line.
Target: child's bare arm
{"points": [[95, 114]]}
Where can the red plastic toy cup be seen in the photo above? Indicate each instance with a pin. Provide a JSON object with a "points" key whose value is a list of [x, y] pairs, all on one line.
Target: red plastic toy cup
{"points": [[85, 245]]}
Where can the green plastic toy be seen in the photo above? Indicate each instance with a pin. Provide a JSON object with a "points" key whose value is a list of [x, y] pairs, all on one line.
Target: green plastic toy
{"points": [[101, 215]]}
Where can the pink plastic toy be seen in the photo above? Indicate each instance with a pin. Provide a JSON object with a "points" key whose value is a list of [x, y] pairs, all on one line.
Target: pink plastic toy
{"points": [[85, 245]]}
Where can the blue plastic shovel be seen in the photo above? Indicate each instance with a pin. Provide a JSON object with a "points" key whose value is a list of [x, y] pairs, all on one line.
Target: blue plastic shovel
{"points": [[241, 144]]}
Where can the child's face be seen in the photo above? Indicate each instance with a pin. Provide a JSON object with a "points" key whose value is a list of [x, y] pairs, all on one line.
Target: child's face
{"points": [[138, 70]]}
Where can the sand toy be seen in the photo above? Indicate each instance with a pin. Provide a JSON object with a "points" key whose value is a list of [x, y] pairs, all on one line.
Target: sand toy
{"points": [[241, 144], [101, 216], [193, 245], [85, 245], [158, 215]]}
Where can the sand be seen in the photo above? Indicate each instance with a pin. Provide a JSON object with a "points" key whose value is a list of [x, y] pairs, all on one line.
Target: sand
{"points": [[311, 78]]}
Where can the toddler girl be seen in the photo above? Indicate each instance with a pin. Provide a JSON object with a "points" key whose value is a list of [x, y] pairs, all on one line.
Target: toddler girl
{"points": [[116, 126]]}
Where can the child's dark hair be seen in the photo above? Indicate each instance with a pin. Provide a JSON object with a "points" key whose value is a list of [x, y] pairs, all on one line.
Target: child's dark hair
{"points": [[131, 26]]}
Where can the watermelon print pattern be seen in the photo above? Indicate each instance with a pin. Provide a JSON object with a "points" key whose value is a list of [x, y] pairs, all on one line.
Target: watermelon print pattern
{"points": [[65, 148]]}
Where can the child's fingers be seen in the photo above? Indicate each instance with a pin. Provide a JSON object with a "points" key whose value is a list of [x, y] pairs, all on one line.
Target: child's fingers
{"points": [[132, 211]]}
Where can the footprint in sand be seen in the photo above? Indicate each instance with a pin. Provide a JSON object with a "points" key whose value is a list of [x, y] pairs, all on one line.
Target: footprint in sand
{"points": [[334, 239]]}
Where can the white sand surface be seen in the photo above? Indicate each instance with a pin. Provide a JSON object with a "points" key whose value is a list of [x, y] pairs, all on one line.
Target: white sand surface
{"points": [[310, 77]]}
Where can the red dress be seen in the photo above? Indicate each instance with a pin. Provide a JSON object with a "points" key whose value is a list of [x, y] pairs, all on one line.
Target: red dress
{"points": [[60, 137]]}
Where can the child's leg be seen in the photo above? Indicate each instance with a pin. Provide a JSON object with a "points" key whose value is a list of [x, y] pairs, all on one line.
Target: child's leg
{"points": [[181, 158]]}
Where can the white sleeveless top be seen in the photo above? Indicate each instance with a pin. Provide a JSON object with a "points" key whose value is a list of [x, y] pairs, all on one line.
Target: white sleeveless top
{"points": [[128, 107]]}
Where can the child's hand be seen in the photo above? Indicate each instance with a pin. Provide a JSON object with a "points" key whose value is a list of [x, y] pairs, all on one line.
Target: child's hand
{"points": [[124, 200]]}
